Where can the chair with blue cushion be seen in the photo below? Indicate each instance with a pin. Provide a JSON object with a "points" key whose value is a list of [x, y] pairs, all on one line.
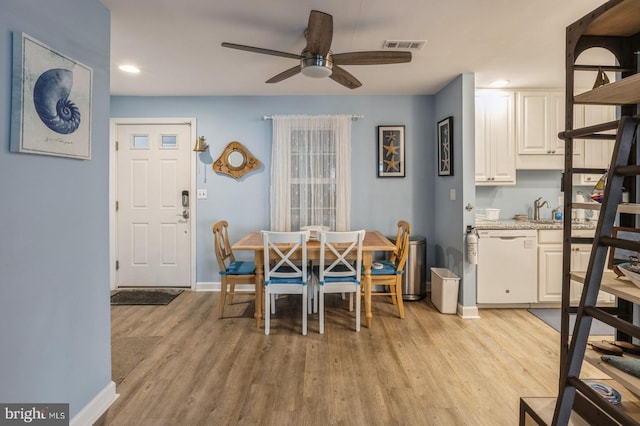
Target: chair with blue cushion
{"points": [[232, 271], [390, 275], [285, 270], [340, 267]]}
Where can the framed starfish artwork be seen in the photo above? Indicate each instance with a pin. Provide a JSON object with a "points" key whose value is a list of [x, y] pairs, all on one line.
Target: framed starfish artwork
{"points": [[391, 151], [445, 147]]}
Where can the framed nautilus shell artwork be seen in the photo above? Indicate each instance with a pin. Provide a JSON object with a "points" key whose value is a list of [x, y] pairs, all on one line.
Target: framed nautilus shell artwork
{"points": [[50, 102]]}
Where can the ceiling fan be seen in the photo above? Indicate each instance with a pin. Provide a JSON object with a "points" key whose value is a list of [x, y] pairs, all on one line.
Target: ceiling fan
{"points": [[317, 60]]}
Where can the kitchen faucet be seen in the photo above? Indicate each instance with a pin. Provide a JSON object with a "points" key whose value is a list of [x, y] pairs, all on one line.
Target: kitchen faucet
{"points": [[536, 208]]}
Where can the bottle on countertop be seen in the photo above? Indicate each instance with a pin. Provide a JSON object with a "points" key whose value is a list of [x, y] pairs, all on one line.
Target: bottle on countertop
{"points": [[557, 212], [580, 198]]}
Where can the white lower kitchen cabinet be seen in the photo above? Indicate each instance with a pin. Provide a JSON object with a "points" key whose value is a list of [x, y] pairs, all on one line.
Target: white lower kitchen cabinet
{"points": [[550, 267], [550, 271], [579, 263], [495, 136]]}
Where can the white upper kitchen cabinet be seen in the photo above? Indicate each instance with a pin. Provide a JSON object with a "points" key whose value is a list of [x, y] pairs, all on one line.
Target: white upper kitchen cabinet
{"points": [[540, 117], [495, 138], [593, 153]]}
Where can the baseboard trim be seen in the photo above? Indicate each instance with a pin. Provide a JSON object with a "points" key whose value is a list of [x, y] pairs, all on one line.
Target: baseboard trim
{"points": [[468, 312], [215, 286], [91, 412]]}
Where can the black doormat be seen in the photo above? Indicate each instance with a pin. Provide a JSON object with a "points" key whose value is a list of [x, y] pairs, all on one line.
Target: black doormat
{"points": [[144, 297]]}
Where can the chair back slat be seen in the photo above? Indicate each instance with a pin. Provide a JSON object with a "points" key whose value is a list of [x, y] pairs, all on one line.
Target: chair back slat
{"points": [[346, 248], [280, 249], [221, 244], [401, 251]]}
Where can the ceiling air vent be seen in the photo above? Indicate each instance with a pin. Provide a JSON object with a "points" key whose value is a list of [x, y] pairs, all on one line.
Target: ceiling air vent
{"points": [[404, 44]]}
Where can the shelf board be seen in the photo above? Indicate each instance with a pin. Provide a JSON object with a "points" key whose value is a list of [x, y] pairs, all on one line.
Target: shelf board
{"points": [[544, 408], [620, 21], [630, 382], [618, 286], [621, 92], [629, 208]]}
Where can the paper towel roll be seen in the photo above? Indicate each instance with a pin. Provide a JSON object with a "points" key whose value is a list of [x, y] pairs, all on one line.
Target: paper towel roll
{"points": [[579, 212]]}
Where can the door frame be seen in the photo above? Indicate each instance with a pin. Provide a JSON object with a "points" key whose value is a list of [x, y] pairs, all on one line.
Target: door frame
{"points": [[113, 131]]}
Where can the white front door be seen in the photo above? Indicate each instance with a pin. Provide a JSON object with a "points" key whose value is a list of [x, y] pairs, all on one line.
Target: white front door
{"points": [[153, 199]]}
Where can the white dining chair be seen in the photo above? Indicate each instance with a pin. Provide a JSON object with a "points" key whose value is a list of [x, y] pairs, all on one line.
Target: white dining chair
{"points": [[283, 275], [340, 268]]}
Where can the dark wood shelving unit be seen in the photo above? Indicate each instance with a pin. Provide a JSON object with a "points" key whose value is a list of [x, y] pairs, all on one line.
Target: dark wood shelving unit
{"points": [[614, 26]]}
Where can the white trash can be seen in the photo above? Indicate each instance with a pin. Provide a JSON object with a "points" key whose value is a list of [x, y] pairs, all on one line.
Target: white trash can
{"points": [[444, 290]]}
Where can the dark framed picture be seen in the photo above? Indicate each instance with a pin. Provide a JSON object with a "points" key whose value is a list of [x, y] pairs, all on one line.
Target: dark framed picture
{"points": [[391, 151], [445, 147], [51, 101]]}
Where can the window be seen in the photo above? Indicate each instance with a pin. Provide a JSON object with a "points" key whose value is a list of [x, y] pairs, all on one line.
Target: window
{"points": [[140, 142], [313, 178], [310, 172], [169, 141]]}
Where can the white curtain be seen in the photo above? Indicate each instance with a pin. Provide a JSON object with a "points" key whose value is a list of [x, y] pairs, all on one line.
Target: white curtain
{"points": [[311, 172]]}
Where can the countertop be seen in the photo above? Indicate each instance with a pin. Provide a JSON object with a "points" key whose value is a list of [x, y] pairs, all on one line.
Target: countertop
{"points": [[515, 224]]}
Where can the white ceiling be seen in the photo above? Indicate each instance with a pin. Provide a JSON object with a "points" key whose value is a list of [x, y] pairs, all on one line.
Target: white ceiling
{"points": [[177, 44]]}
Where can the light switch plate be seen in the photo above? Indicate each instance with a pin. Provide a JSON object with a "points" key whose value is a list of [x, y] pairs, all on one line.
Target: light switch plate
{"points": [[202, 194], [452, 194]]}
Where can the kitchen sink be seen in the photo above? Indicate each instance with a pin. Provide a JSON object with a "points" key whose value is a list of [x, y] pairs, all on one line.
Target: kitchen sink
{"points": [[544, 221]]}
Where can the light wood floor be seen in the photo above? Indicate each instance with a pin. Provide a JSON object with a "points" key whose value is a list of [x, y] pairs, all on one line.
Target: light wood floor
{"points": [[428, 369]]}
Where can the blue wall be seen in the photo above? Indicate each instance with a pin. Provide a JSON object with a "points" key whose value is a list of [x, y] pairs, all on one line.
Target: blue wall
{"points": [[54, 232], [377, 203], [457, 100], [518, 199]]}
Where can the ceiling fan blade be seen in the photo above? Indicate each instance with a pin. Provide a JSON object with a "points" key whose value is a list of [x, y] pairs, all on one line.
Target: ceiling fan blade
{"points": [[285, 74], [379, 57], [261, 50], [339, 75], [319, 33]]}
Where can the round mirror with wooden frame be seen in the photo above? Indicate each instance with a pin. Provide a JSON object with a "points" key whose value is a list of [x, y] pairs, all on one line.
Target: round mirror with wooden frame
{"points": [[235, 161]]}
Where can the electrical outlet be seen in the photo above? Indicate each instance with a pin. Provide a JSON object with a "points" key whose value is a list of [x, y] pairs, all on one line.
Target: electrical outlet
{"points": [[202, 194]]}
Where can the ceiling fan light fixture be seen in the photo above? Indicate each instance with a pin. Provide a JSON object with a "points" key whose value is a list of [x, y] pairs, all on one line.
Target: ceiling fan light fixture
{"points": [[316, 71], [316, 66]]}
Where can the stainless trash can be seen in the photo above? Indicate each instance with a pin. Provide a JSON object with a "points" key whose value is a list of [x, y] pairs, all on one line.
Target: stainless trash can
{"points": [[414, 284]]}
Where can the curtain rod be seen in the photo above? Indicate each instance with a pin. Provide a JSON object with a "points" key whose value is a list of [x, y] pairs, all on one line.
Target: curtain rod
{"points": [[353, 117]]}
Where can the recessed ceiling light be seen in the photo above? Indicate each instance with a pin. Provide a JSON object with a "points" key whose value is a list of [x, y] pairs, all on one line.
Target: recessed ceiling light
{"points": [[499, 83], [132, 69]]}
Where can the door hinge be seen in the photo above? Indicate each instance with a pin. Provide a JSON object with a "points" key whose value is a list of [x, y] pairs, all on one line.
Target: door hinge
{"points": [[117, 265], [116, 145], [117, 205]]}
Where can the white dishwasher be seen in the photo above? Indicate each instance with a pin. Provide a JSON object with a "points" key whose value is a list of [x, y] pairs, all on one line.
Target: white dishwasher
{"points": [[507, 266]]}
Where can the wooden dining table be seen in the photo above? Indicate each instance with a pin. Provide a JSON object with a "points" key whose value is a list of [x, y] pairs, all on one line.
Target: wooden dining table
{"points": [[374, 241]]}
